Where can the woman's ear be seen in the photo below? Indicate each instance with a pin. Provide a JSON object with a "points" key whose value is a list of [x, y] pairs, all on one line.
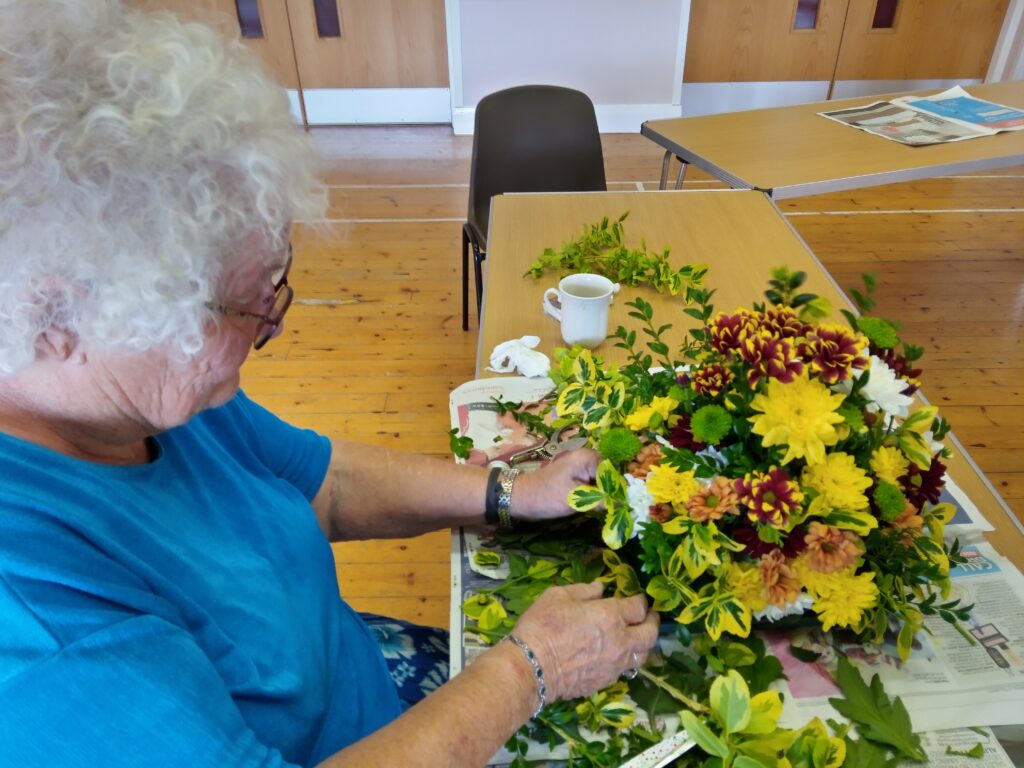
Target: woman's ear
{"points": [[60, 346]]}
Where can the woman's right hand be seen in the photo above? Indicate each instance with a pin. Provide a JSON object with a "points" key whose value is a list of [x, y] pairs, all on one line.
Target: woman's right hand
{"points": [[584, 642]]}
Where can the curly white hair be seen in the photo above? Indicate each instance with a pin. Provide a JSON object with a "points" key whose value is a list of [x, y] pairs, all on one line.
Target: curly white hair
{"points": [[136, 153]]}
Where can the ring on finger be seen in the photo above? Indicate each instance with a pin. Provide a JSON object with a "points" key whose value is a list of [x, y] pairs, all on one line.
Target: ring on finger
{"points": [[633, 671]]}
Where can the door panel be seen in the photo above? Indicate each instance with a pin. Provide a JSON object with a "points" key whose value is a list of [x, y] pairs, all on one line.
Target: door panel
{"points": [[929, 40], [274, 48], [755, 40], [383, 44]]}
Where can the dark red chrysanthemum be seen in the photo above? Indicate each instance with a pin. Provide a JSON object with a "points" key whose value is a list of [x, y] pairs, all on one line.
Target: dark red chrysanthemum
{"points": [[771, 357], [746, 534], [711, 380], [727, 332], [681, 437], [784, 323], [832, 352], [769, 496], [901, 366], [920, 486]]}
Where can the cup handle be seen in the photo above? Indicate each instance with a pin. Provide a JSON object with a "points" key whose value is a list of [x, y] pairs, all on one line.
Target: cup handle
{"points": [[615, 290], [549, 308]]}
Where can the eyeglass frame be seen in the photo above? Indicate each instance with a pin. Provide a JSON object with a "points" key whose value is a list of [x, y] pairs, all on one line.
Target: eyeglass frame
{"points": [[270, 321]]}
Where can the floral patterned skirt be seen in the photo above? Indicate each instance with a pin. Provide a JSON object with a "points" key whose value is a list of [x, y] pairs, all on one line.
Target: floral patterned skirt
{"points": [[417, 656]]}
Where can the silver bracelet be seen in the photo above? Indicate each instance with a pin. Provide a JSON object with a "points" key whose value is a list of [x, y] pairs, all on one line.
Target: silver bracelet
{"points": [[531, 657], [506, 479]]}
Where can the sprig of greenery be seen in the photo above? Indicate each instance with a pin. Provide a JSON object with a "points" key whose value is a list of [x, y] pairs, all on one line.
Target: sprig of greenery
{"points": [[878, 718], [601, 250], [460, 446], [535, 423]]}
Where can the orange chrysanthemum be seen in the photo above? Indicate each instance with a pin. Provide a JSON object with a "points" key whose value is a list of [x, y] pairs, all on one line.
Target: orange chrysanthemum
{"points": [[649, 455], [781, 585], [830, 549], [713, 502]]}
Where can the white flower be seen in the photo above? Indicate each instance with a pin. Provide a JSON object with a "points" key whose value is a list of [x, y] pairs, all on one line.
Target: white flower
{"points": [[774, 612], [933, 445], [884, 390], [715, 454], [640, 501]]}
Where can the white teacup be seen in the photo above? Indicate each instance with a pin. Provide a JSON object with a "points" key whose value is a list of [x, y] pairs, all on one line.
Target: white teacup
{"points": [[580, 303]]}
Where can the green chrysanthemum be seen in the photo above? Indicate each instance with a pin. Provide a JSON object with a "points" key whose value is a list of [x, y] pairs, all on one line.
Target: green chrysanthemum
{"points": [[710, 424], [889, 499], [619, 445]]}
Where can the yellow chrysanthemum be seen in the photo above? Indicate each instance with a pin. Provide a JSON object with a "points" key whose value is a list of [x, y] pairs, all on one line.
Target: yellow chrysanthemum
{"points": [[844, 605], [800, 415], [667, 485], [840, 484], [744, 581], [889, 464], [641, 417], [817, 583]]}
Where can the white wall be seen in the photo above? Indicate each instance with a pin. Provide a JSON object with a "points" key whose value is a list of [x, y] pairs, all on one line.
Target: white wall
{"points": [[625, 54]]}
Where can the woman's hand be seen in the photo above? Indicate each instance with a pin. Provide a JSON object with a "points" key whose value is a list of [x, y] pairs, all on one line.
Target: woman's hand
{"points": [[585, 642], [542, 495]]}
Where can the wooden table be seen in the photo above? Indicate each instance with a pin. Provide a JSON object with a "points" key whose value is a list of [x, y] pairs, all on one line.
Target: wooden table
{"points": [[793, 151], [740, 234]]}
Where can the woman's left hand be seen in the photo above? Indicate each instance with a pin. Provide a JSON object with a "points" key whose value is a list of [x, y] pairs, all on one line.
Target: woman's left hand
{"points": [[542, 495]]}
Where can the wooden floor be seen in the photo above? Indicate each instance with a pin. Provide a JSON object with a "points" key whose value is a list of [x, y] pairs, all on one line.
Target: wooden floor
{"points": [[373, 344]]}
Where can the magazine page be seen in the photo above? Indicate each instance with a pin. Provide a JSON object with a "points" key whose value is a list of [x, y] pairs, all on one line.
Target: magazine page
{"points": [[476, 415], [905, 125], [957, 104]]}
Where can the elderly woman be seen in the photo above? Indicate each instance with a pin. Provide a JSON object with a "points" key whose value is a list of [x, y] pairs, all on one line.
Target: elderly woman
{"points": [[167, 591]]}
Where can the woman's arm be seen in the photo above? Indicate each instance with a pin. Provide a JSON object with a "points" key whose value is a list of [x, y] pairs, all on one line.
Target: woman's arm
{"points": [[372, 492], [583, 642]]}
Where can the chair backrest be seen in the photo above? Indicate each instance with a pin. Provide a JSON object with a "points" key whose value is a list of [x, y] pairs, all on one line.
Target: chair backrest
{"points": [[533, 138]]}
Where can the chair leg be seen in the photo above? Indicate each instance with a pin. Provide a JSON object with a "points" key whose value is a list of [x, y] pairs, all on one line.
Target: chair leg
{"points": [[465, 280], [478, 259]]}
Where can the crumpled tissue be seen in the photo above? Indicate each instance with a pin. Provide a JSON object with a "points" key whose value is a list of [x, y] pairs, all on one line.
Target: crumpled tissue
{"points": [[520, 353]]}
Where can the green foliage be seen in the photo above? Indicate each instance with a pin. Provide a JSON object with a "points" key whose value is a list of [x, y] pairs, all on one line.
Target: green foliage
{"points": [[976, 752], [878, 718], [459, 446], [601, 250], [783, 286], [880, 332]]}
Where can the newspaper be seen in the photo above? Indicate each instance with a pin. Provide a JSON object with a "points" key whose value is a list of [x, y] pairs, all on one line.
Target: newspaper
{"points": [[953, 115], [947, 682]]}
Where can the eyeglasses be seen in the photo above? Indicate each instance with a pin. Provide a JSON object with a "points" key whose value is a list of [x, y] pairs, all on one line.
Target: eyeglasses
{"points": [[269, 322]]}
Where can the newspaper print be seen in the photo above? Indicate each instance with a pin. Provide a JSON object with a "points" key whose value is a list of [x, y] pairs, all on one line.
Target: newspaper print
{"points": [[953, 115]]}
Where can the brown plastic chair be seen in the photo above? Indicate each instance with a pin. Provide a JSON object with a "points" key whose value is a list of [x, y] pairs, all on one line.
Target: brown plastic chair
{"points": [[532, 138]]}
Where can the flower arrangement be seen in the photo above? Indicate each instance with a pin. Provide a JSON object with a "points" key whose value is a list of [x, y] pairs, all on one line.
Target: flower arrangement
{"points": [[772, 469], [776, 469]]}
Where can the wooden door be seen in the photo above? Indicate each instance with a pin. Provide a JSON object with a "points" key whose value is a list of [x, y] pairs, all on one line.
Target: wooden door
{"points": [[762, 40], [372, 61], [375, 43], [744, 54], [265, 31], [913, 40]]}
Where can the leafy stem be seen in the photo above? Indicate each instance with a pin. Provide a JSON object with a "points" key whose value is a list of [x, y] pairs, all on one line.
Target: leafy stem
{"points": [[672, 691]]}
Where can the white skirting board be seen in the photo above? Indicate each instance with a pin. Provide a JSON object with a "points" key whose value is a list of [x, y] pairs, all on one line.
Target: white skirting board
{"points": [[355, 106], [715, 98]]}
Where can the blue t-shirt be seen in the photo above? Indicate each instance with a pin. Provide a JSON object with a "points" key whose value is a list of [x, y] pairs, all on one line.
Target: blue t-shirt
{"points": [[181, 613]]}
